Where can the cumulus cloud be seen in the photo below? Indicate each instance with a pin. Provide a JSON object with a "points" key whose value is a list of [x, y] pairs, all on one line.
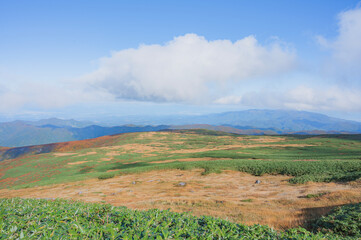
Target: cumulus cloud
{"points": [[343, 65], [300, 98], [346, 47], [188, 69]]}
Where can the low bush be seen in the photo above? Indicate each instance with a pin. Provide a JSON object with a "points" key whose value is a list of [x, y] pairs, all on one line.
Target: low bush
{"points": [[62, 219], [106, 176], [345, 221]]}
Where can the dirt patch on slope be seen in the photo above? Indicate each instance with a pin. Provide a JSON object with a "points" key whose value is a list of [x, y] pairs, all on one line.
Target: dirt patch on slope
{"points": [[267, 139], [77, 163], [87, 154], [61, 154], [231, 194], [143, 148], [159, 135], [113, 153]]}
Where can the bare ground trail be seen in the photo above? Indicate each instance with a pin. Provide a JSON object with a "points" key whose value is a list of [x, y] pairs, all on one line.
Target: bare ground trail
{"points": [[230, 195]]}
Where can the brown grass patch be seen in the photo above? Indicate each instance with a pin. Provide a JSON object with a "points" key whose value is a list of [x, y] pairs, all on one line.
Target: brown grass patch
{"points": [[63, 154], [153, 135], [111, 147], [144, 148], [77, 163], [113, 153], [275, 202], [267, 139], [87, 154]]}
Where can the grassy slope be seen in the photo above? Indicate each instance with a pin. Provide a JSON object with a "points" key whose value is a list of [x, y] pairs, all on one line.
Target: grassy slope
{"points": [[333, 158]]}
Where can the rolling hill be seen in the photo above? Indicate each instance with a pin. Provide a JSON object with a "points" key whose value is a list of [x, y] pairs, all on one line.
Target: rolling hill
{"points": [[254, 122], [246, 179]]}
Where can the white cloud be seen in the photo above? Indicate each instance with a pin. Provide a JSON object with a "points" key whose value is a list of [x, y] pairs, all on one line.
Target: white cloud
{"points": [[229, 100], [331, 98], [346, 47], [45, 95], [300, 98], [188, 69]]}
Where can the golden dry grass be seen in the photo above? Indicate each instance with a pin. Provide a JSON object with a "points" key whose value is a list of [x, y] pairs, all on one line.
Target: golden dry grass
{"points": [[77, 163], [230, 195]]}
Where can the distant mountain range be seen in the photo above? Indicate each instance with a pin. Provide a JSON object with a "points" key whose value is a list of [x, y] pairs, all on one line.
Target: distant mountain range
{"points": [[19, 133], [59, 123], [24, 133], [277, 120]]}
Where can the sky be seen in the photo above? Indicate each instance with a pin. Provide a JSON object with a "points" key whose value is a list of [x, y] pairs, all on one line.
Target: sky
{"points": [[87, 59]]}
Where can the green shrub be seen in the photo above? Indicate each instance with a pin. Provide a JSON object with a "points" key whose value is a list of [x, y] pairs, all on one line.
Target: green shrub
{"points": [[62, 219], [345, 221], [106, 176], [316, 195], [86, 169]]}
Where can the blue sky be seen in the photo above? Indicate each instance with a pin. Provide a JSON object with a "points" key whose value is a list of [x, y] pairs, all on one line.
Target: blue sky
{"points": [[81, 58]]}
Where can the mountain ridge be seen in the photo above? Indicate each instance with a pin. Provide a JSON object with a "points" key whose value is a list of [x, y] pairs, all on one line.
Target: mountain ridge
{"points": [[252, 122]]}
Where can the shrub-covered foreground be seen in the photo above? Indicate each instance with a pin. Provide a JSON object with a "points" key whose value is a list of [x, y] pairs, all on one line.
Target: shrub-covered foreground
{"points": [[345, 220], [62, 219]]}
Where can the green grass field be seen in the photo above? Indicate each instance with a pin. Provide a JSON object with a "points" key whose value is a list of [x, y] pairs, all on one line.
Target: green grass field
{"points": [[306, 158]]}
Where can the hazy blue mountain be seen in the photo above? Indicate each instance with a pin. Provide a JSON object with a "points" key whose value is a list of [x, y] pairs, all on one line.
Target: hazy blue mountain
{"points": [[18, 133], [98, 131], [281, 120], [60, 123], [21, 133]]}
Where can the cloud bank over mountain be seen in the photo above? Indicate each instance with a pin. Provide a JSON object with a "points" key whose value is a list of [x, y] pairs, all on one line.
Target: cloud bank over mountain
{"points": [[189, 68], [300, 98]]}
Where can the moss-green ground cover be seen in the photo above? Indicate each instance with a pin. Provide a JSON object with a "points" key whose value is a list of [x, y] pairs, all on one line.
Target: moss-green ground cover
{"points": [[345, 221], [60, 219]]}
